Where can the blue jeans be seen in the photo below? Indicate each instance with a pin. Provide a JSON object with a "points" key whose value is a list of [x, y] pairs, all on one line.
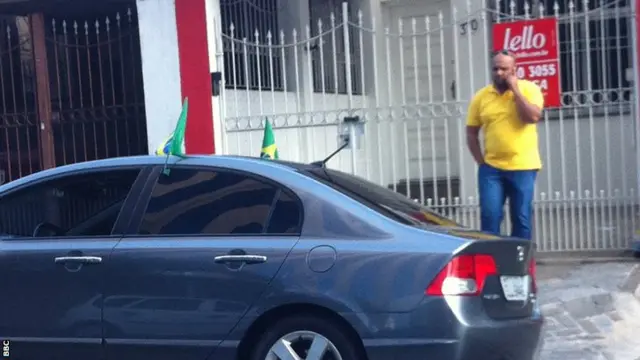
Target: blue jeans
{"points": [[494, 187]]}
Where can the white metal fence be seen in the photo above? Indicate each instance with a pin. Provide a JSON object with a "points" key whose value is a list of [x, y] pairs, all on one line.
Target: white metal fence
{"points": [[409, 75]]}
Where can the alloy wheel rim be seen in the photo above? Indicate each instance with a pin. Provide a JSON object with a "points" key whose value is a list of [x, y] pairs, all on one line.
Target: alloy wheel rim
{"points": [[303, 345]]}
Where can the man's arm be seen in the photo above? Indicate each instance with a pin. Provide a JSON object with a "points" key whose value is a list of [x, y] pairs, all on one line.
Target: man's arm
{"points": [[474, 124], [529, 104], [473, 143]]}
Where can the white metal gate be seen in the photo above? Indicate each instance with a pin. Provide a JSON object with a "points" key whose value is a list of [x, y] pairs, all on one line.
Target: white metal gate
{"points": [[409, 74]]}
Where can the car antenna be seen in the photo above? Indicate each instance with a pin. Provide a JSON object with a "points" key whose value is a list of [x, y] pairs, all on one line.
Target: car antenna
{"points": [[323, 163]]}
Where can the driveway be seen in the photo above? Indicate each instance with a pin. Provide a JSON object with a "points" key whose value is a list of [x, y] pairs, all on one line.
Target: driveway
{"points": [[591, 310]]}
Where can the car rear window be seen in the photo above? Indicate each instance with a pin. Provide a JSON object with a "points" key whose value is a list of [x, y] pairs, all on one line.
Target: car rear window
{"points": [[380, 199]]}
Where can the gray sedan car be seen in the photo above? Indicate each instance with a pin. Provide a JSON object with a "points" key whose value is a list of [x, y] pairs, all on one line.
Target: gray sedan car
{"points": [[220, 257]]}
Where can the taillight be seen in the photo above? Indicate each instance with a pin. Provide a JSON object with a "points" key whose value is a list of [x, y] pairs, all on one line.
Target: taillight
{"points": [[464, 275], [532, 273]]}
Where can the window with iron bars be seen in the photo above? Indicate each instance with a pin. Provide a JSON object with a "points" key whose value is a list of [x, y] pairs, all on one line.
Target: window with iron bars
{"points": [[252, 66], [595, 45], [329, 66], [255, 67]]}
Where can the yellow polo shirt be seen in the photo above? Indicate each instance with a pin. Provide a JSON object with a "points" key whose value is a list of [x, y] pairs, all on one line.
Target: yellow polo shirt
{"points": [[509, 143]]}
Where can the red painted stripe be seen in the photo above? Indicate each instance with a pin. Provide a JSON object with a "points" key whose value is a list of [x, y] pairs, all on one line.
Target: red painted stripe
{"points": [[195, 75]]}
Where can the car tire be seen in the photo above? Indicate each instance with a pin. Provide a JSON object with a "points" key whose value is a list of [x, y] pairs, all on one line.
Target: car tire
{"points": [[337, 337]]}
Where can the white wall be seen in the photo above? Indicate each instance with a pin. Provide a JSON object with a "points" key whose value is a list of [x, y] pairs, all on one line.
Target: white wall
{"points": [[420, 75], [214, 29], [160, 68], [419, 136], [578, 154], [471, 73], [305, 121], [384, 129], [573, 149], [296, 140], [590, 161]]}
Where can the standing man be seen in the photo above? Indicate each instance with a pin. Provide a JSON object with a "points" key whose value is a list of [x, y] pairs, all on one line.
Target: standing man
{"points": [[508, 112]]}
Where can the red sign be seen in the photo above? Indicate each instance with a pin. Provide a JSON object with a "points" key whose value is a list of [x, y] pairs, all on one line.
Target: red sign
{"points": [[535, 45]]}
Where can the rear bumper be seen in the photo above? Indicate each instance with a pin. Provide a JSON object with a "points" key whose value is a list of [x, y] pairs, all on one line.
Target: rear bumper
{"points": [[521, 341], [432, 332]]}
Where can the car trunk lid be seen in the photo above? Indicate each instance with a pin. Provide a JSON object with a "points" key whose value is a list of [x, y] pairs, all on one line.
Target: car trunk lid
{"points": [[509, 293], [500, 271]]}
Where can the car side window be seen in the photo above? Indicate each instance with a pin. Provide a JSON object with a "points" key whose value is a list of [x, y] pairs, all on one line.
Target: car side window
{"points": [[216, 202], [76, 205], [286, 215]]}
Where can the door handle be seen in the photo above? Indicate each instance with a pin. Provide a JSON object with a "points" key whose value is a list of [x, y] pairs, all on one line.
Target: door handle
{"points": [[78, 260], [245, 259]]}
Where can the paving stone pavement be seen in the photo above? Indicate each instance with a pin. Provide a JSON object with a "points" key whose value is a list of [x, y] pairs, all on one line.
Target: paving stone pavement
{"points": [[591, 311]]}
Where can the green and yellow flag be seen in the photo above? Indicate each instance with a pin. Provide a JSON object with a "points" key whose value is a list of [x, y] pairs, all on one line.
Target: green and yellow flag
{"points": [[269, 148], [174, 144]]}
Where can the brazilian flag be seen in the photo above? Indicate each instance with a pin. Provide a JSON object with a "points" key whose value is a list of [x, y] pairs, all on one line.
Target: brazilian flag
{"points": [[269, 148], [174, 143]]}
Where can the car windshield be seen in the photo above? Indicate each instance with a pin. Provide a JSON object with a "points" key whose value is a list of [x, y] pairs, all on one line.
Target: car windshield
{"points": [[381, 199]]}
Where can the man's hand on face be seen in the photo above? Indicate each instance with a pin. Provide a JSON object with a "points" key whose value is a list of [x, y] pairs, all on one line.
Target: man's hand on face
{"points": [[512, 81]]}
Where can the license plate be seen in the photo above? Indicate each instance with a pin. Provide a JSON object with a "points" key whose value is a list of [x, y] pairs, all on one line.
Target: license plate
{"points": [[515, 288]]}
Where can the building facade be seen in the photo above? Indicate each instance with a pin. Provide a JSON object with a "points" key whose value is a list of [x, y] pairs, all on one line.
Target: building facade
{"points": [[405, 69]]}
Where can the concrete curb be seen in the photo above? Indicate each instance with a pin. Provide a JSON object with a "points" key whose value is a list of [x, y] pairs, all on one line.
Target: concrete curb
{"points": [[586, 257], [584, 261]]}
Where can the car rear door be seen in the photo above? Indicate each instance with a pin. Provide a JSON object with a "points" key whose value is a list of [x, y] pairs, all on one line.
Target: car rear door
{"points": [[57, 237], [203, 245]]}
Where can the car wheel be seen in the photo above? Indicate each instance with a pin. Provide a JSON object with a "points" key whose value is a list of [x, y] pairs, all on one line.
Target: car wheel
{"points": [[305, 338]]}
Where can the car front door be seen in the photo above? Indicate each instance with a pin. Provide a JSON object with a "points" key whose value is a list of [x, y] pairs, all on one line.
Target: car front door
{"points": [[56, 237], [200, 251]]}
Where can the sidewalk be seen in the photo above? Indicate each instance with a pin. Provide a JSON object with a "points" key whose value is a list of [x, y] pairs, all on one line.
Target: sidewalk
{"points": [[591, 311]]}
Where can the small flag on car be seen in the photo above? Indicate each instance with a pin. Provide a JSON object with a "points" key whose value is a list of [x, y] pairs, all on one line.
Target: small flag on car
{"points": [[269, 148], [174, 144]]}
